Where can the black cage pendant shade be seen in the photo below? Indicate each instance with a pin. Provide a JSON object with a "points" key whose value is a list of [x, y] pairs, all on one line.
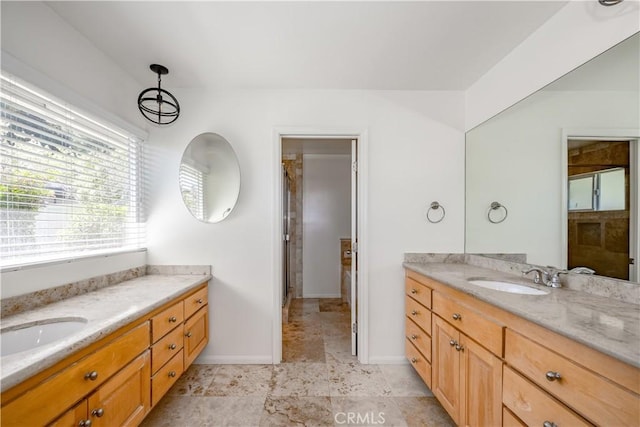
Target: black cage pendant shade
{"points": [[156, 104]]}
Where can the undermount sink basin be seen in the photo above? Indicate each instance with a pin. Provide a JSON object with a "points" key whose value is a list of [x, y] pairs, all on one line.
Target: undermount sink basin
{"points": [[512, 288], [30, 335]]}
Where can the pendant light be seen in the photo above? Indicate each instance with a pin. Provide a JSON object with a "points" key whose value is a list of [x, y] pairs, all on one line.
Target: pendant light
{"points": [[156, 104]]}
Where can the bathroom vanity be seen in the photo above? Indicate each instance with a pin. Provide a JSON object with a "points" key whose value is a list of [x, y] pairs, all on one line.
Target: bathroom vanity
{"points": [[498, 358], [140, 336]]}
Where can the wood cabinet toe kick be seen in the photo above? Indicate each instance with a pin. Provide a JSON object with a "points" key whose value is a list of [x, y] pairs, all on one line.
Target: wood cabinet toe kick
{"points": [[117, 380], [490, 367]]}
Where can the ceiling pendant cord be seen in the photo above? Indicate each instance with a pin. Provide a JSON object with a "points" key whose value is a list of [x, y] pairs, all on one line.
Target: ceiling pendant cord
{"points": [[155, 107]]}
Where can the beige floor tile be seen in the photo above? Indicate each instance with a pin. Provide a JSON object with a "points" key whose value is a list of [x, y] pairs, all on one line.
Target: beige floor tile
{"points": [[297, 411], [173, 411], [228, 411], [241, 380], [300, 379], [194, 381], [423, 412], [404, 381], [338, 350], [304, 350], [366, 411], [353, 379]]}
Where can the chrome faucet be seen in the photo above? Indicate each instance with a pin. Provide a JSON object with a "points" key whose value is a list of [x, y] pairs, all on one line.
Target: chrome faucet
{"points": [[549, 277]]}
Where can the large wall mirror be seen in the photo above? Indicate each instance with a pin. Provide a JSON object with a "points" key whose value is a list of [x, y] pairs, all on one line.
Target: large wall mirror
{"points": [[209, 177], [564, 162]]}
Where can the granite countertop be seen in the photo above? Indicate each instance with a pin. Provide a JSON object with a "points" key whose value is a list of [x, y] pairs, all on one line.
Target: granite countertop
{"points": [[106, 310], [608, 325]]}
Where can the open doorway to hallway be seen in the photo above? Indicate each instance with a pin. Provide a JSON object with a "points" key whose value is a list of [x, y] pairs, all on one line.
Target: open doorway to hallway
{"points": [[318, 219]]}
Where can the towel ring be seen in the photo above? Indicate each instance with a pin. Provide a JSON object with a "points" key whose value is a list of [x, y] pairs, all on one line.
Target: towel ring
{"points": [[434, 207], [494, 207]]}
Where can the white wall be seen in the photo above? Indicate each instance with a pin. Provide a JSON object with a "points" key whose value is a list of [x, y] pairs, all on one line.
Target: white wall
{"points": [[326, 200], [516, 159], [577, 33]]}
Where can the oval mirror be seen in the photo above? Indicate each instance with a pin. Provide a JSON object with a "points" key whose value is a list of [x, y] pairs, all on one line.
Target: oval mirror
{"points": [[209, 177]]}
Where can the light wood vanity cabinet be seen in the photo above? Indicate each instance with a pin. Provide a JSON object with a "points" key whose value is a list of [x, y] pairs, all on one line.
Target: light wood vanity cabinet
{"points": [[117, 380], [509, 371], [467, 378], [418, 328]]}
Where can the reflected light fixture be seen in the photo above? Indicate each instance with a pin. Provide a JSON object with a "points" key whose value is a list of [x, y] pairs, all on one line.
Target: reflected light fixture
{"points": [[156, 104], [609, 2]]}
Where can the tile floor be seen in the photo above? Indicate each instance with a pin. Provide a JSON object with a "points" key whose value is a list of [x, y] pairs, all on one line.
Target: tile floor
{"points": [[319, 383]]}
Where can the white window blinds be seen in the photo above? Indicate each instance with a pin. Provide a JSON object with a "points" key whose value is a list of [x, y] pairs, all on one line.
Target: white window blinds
{"points": [[70, 185], [192, 187]]}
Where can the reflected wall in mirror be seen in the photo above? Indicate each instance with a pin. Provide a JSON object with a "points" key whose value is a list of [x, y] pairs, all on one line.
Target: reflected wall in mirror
{"points": [[209, 177], [520, 157]]}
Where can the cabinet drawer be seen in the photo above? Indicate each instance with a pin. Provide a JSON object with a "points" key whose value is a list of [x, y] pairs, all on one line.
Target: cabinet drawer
{"points": [[418, 292], [162, 381], [73, 417], [534, 406], [419, 362], [593, 396], [196, 336], [195, 302], [418, 338], [166, 320], [510, 420], [54, 396], [419, 314], [166, 348], [474, 325]]}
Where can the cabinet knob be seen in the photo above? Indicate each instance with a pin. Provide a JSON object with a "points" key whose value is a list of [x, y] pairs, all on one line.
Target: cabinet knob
{"points": [[172, 374], [199, 301], [97, 412], [452, 343], [414, 291], [456, 316], [188, 334], [552, 376], [84, 423], [172, 319], [414, 312], [172, 347], [93, 375], [459, 347], [549, 424], [414, 337], [414, 360]]}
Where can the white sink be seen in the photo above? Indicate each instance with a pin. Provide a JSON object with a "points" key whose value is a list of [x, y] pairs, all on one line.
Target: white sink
{"points": [[30, 335], [512, 288]]}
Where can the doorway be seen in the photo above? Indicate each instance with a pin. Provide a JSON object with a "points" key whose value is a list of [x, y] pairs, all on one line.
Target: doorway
{"points": [[602, 210], [318, 223]]}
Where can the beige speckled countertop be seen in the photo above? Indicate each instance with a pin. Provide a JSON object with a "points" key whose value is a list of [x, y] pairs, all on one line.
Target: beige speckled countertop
{"points": [[605, 324], [106, 310]]}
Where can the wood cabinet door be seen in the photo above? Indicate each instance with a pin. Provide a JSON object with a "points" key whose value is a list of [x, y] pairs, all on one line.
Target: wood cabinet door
{"points": [[196, 336], [445, 374], [125, 399], [73, 417], [480, 385]]}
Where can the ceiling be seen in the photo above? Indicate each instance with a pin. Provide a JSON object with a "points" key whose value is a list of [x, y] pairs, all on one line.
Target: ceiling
{"points": [[423, 45]]}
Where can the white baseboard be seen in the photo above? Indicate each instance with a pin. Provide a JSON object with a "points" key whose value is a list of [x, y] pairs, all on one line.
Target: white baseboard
{"points": [[321, 296], [388, 360], [233, 360]]}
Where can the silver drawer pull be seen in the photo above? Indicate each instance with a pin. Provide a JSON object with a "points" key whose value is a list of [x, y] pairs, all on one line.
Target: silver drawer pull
{"points": [[172, 347], [172, 319], [552, 376], [452, 343], [459, 347], [414, 360], [414, 291], [414, 313], [172, 374], [84, 423], [199, 301], [97, 412], [93, 375], [188, 334], [549, 424], [414, 337], [456, 316]]}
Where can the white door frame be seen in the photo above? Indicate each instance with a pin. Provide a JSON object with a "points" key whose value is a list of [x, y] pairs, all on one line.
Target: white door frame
{"points": [[363, 252], [631, 134]]}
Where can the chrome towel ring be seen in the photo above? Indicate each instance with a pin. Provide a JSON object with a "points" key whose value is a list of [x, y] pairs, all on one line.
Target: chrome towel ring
{"points": [[435, 206], [494, 207]]}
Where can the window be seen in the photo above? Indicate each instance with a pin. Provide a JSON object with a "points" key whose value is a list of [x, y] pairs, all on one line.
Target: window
{"points": [[192, 185], [598, 191], [70, 185]]}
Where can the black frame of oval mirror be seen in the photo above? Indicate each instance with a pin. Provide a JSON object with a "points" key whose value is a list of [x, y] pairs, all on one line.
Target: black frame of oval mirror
{"points": [[209, 177]]}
